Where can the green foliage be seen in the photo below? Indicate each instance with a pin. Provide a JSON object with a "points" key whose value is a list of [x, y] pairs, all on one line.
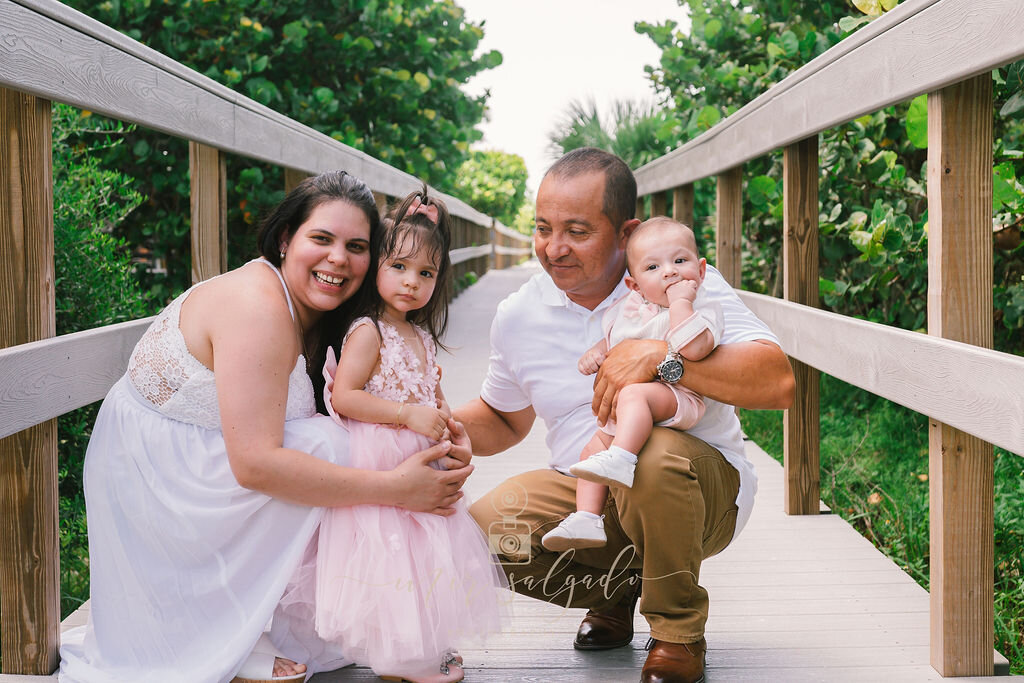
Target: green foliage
{"points": [[94, 280], [873, 217], [95, 286], [383, 76], [874, 473], [636, 132], [526, 219], [493, 182]]}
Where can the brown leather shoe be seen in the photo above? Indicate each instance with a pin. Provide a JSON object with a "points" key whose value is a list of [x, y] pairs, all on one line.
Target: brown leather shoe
{"points": [[674, 662], [610, 629]]}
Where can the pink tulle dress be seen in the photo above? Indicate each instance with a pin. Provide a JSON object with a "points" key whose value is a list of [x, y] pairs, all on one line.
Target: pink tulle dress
{"points": [[399, 589]]}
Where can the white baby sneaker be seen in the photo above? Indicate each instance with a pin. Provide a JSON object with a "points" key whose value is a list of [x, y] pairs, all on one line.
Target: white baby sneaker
{"points": [[606, 467], [578, 531]]}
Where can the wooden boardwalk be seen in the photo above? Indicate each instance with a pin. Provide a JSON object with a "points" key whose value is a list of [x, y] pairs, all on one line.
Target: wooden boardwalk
{"points": [[793, 599]]}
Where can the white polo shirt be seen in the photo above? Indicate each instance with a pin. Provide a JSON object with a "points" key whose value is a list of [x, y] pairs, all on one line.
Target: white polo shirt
{"points": [[537, 337]]}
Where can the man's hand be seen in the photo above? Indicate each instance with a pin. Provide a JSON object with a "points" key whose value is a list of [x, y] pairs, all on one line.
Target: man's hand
{"points": [[631, 361]]}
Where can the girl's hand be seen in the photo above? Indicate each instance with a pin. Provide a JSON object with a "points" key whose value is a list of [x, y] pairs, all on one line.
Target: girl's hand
{"points": [[426, 420], [590, 361], [421, 488], [684, 290]]}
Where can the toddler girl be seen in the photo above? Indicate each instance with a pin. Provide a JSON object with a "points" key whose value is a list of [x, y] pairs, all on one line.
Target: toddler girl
{"points": [[665, 274], [398, 589]]}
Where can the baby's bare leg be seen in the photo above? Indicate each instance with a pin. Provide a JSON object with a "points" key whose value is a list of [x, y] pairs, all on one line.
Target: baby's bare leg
{"points": [[590, 497], [639, 407]]}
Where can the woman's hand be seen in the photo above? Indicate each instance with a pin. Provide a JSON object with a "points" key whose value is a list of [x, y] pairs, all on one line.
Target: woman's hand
{"points": [[429, 421], [462, 451], [421, 488]]}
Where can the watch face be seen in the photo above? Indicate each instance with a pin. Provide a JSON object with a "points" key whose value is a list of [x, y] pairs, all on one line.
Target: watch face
{"points": [[670, 371]]}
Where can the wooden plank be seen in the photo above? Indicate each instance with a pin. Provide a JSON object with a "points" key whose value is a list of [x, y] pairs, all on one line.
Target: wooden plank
{"points": [[50, 50], [910, 368], [466, 253], [641, 208], [729, 225], [292, 178], [29, 553], [658, 204], [682, 204], [209, 201], [801, 425], [915, 48], [44, 379], [960, 307]]}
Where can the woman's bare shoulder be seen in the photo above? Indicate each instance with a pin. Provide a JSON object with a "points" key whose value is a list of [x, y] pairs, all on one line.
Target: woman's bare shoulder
{"points": [[248, 301]]}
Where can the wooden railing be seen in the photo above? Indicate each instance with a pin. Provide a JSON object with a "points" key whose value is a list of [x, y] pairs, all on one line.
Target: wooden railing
{"points": [[49, 52], [974, 396]]}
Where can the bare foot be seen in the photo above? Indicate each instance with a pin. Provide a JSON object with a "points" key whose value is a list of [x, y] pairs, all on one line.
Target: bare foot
{"points": [[286, 667]]}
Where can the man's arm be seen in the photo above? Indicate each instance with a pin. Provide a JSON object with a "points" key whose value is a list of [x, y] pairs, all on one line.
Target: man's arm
{"points": [[753, 374], [493, 431]]}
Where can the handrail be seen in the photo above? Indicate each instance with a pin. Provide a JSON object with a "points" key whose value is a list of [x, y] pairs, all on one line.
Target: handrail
{"points": [[52, 51], [945, 48], [901, 366], [919, 46]]}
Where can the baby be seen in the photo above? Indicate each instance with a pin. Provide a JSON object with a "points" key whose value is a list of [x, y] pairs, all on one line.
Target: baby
{"points": [[665, 275]]}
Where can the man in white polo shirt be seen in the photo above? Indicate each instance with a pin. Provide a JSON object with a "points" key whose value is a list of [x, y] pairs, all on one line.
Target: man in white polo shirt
{"points": [[692, 491]]}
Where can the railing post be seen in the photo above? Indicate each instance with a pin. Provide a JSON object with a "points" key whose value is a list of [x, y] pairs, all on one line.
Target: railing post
{"points": [[209, 199], [682, 204], [382, 202], [960, 308], [293, 178], [29, 551], [800, 285], [640, 208], [729, 225], [658, 204]]}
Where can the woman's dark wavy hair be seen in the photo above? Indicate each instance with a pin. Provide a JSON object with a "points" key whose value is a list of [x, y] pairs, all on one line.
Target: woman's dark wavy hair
{"points": [[281, 225], [409, 233]]}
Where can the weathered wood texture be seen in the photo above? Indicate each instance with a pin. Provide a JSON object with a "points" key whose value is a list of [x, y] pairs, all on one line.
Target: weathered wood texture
{"points": [[208, 181], [659, 202], [960, 308], [801, 427], [729, 225], [44, 379], [29, 585], [915, 48], [682, 204], [909, 368], [50, 50], [292, 178]]}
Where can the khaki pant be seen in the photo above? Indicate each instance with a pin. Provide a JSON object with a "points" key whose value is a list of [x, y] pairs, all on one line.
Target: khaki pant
{"points": [[680, 510]]}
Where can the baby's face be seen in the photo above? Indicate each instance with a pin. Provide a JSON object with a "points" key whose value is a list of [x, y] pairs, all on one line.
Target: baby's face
{"points": [[659, 257]]}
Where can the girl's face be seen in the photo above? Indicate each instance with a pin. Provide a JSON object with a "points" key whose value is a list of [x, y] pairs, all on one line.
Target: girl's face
{"points": [[406, 279], [326, 259], [659, 257]]}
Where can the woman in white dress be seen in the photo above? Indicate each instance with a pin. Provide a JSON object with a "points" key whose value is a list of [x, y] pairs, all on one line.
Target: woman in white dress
{"points": [[208, 468]]}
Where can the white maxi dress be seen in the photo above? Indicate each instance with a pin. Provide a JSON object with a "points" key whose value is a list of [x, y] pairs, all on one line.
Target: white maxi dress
{"points": [[187, 566]]}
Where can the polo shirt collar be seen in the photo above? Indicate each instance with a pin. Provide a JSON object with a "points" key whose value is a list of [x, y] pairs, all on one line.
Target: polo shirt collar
{"points": [[551, 295]]}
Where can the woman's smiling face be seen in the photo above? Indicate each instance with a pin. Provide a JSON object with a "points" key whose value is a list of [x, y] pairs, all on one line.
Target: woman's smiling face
{"points": [[326, 259]]}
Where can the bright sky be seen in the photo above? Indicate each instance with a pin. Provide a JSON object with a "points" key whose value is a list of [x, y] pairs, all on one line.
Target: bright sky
{"points": [[556, 51]]}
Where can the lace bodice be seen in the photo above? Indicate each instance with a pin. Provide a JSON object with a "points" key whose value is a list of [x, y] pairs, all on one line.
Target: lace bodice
{"points": [[400, 376], [176, 384]]}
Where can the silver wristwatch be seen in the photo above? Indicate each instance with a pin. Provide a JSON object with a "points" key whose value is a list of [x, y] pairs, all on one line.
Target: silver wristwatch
{"points": [[670, 370]]}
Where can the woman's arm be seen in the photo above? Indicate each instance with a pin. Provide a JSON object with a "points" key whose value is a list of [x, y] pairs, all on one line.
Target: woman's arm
{"points": [[254, 351]]}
